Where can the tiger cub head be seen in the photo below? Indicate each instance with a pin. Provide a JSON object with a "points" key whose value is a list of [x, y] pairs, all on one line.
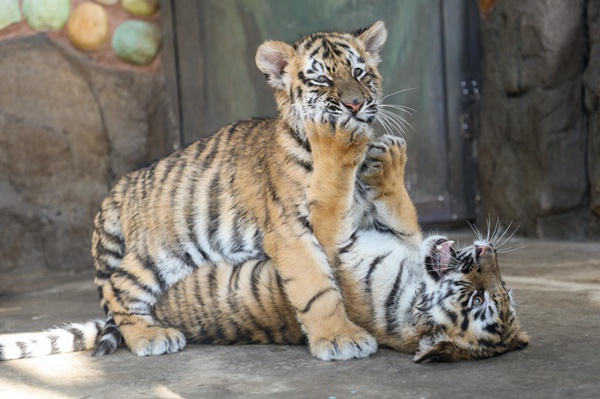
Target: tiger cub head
{"points": [[326, 77], [469, 309]]}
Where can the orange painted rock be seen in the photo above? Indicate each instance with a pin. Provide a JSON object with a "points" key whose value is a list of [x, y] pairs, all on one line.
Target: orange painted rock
{"points": [[140, 8], [88, 27]]}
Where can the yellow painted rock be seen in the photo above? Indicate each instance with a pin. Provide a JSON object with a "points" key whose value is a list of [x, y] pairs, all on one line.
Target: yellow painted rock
{"points": [[46, 15], [10, 13], [88, 27], [140, 8], [136, 42]]}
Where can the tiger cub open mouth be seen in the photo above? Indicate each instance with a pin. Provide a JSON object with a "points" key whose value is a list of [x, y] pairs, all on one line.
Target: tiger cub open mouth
{"points": [[438, 260]]}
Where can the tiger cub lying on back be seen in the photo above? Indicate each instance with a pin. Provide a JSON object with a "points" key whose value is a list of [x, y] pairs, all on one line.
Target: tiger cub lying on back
{"points": [[414, 296]]}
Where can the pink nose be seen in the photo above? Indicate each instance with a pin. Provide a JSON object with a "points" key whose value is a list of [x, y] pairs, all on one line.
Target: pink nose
{"points": [[354, 106], [481, 250]]}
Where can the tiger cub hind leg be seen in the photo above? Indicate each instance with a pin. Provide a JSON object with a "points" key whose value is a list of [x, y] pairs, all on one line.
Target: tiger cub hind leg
{"points": [[130, 293], [382, 174]]}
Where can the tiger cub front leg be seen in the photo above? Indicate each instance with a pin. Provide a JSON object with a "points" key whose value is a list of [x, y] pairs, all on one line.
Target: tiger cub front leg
{"points": [[337, 152], [382, 173]]}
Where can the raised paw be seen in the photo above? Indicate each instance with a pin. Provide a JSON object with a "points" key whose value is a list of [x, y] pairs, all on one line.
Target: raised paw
{"points": [[344, 346], [153, 340], [346, 143], [384, 165]]}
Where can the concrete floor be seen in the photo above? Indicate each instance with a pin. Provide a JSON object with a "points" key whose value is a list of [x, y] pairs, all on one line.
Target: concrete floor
{"points": [[557, 288]]}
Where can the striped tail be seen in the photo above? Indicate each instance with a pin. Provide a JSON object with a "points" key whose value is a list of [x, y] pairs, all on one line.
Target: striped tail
{"points": [[108, 339], [70, 338]]}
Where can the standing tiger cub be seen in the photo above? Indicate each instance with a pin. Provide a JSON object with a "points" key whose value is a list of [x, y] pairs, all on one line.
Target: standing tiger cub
{"points": [[245, 194]]}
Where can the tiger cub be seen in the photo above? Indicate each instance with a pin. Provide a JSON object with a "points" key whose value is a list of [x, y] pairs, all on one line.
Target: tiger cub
{"points": [[419, 297], [245, 194]]}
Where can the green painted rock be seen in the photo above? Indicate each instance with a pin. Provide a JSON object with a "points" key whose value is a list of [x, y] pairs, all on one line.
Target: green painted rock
{"points": [[10, 13], [46, 15], [107, 2], [136, 42], [140, 8]]}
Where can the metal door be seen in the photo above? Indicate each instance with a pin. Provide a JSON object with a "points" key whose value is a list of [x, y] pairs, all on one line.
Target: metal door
{"points": [[431, 50]]}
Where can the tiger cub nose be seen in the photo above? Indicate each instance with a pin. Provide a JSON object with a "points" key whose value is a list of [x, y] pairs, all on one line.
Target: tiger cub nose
{"points": [[354, 106], [482, 249]]}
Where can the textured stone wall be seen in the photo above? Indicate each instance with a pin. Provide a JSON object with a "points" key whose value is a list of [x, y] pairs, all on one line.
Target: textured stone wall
{"points": [[68, 129], [539, 144], [591, 79]]}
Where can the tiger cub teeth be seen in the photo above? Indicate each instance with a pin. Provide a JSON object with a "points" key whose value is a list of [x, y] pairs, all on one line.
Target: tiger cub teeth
{"points": [[440, 247]]}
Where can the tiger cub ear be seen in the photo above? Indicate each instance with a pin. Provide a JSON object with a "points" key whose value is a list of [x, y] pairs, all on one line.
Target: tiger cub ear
{"points": [[373, 38], [271, 58]]}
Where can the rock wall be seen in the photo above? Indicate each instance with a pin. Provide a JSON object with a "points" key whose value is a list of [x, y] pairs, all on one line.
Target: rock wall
{"points": [[591, 79], [68, 129], [539, 143]]}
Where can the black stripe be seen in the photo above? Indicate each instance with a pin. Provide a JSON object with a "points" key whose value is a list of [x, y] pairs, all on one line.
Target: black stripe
{"points": [[314, 298], [254, 280], [234, 278], [135, 279], [305, 223], [190, 218], [53, 344], [200, 312], [105, 235], [303, 143], [391, 302], [237, 238], [149, 264], [211, 153], [219, 334], [187, 260], [78, 338], [24, 347], [214, 212], [465, 323], [313, 53], [376, 262], [351, 241], [103, 252], [452, 315], [307, 166]]}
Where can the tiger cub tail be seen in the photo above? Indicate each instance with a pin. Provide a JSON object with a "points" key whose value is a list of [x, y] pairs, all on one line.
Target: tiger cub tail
{"points": [[69, 338], [108, 250]]}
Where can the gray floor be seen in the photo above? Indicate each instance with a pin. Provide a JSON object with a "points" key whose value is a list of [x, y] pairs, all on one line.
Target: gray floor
{"points": [[557, 287]]}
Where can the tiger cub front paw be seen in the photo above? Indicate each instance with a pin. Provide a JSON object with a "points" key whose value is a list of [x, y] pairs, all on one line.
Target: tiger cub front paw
{"points": [[383, 168], [351, 344], [152, 340], [346, 143]]}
